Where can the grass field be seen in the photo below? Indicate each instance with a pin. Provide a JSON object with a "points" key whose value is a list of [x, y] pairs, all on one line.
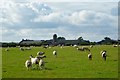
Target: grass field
{"points": [[70, 63]]}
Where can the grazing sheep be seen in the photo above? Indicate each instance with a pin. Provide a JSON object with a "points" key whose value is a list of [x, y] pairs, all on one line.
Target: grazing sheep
{"points": [[40, 53], [115, 45], [22, 49], [41, 56], [28, 64], [80, 49], [41, 64], [104, 54], [90, 56], [34, 60], [7, 49], [55, 53], [45, 46], [76, 46], [28, 48], [85, 48], [91, 46]]}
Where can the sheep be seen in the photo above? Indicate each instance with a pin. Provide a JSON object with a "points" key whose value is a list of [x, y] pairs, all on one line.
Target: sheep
{"points": [[89, 56], [76, 46], [55, 53], [41, 64], [22, 49], [28, 64], [115, 45], [45, 46], [40, 53], [7, 49], [91, 46], [28, 48], [41, 56], [34, 61], [80, 49], [85, 48], [104, 54]]}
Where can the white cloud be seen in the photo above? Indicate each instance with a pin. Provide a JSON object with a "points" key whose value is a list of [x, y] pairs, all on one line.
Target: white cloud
{"points": [[78, 18], [32, 19]]}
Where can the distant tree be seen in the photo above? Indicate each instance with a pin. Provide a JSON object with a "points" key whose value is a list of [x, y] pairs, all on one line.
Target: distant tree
{"points": [[107, 38], [80, 39], [61, 38]]}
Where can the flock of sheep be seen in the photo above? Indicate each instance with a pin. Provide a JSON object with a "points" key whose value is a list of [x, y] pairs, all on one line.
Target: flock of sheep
{"points": [[86, 48], [39, 59]]}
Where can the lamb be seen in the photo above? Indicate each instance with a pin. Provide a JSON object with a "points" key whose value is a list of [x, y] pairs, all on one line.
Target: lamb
{"points": [[89, 56], [55, 53], [28, 64]]}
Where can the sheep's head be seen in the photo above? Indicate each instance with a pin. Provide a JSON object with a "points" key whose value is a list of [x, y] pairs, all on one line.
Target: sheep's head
{"points": [[31, 56]]}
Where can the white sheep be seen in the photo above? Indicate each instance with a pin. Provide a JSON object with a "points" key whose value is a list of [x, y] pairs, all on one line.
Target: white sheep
{"points": [[91, 46], [41, 64], [80, 49], [22, 49], [104, 54], [90, 56], [28, 48], [7, 49], [28, 64], [34, 61], [55, 53], [40, 53], [75, 46], [85, 48]]}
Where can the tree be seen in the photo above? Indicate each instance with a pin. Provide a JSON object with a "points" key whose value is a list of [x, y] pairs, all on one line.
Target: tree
{"points": [[107, 38], [80, 39]]}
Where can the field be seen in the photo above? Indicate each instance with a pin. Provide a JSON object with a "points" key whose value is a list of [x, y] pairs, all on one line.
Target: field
{"points": [[70, 63]]}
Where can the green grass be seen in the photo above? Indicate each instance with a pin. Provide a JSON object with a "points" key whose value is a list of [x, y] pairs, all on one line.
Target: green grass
{"points": [[70, 63]]}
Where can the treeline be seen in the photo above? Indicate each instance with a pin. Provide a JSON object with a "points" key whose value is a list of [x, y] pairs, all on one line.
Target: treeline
{"points": [[81, 41]]}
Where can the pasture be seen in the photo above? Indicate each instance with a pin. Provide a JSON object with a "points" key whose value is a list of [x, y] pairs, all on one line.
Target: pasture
{"points": [[70, 63]]}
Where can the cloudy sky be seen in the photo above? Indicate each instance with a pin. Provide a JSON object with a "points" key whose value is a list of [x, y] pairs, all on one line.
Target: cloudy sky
{"points": [[40, 19]]}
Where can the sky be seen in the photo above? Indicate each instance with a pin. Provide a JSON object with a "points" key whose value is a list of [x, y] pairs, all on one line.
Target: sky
{"points": [[40, 19]]}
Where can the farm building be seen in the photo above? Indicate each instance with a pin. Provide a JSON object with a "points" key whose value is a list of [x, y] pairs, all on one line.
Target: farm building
{"points": [[55, 41]]}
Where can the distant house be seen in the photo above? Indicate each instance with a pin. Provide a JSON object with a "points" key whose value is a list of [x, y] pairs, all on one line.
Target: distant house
{"points": [[29, 42]]}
